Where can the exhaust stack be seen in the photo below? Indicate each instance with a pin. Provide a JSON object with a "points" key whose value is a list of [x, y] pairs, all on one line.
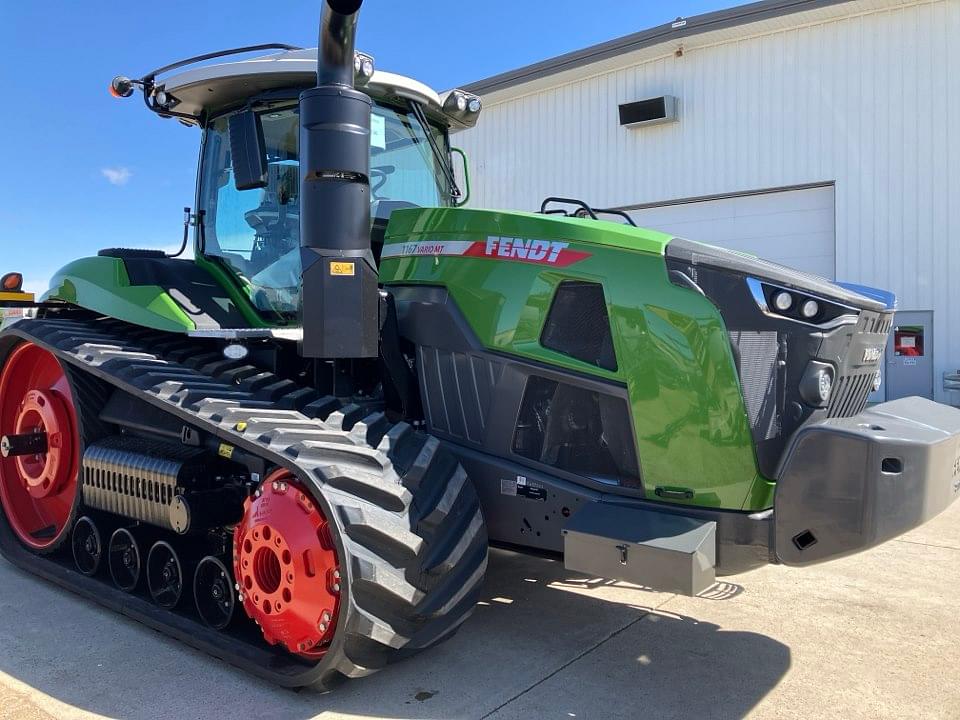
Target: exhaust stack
{"points": [[340, 311]]}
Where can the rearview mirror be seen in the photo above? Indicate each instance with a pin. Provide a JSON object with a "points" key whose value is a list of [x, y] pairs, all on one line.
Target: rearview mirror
{"points": [[248, 151], [465, 170]]}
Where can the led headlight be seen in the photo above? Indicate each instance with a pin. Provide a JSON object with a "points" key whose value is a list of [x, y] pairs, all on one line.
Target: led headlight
{"points": [[783, 301], [809, 309], [877, 380], [362, 67], [816, 386], [462, 106]]}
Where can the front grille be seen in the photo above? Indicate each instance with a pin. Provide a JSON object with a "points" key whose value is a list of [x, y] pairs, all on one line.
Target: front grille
{"points": [[850, 394], [758, 379]]}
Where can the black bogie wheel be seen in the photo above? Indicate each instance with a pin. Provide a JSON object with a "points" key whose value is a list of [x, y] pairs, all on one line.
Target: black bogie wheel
{"points": [[124, 559], [411, 540], [165, 575], [213, 593], [87, 546]]}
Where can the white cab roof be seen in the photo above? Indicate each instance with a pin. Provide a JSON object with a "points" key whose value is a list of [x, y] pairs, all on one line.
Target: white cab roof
{"points": [[218, 86]]}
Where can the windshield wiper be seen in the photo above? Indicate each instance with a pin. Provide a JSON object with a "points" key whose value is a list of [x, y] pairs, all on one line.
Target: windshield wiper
{"points": [[417, 111]]}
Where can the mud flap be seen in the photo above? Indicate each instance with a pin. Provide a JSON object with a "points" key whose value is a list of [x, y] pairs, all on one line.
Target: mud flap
{"points": [[671, 553]]}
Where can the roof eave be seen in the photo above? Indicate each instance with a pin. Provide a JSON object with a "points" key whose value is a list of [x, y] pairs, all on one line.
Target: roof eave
{"points": [[668, 32]]}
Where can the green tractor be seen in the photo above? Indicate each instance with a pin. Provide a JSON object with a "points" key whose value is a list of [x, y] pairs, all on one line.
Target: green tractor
{"points": [[293, 451]]}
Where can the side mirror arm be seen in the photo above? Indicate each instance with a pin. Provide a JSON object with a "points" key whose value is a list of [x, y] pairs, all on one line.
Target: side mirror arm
{"points": [[461, 201]]}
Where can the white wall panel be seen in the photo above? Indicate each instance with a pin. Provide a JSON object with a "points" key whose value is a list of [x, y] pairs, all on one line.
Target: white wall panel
{"points": [[869, 101], [793, 227]]}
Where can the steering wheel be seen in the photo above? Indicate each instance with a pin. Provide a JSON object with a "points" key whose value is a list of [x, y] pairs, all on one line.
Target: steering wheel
{"points": [[379, 177]]}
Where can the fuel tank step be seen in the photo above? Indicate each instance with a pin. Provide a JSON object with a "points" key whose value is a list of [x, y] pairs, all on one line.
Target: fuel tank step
{"points": [[661, 551]]}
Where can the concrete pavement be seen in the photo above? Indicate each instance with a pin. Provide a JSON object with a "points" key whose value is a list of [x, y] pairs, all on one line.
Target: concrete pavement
{"points": [[871, 636]]}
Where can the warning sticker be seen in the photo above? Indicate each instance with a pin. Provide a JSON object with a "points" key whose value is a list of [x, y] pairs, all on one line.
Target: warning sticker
{"points": [[342, 268], [378, 132], [508, 486]]}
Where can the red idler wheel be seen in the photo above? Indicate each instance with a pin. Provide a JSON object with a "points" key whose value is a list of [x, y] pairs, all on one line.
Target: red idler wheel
{"points": [[40, 447], [286, 564]]}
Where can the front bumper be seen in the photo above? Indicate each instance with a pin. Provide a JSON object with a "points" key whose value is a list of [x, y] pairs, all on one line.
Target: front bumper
{"points": [[846, 485]]}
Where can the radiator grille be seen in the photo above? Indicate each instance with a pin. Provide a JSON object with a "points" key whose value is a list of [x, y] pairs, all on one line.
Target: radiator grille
{"points": [[850, 394], [758, 378]]}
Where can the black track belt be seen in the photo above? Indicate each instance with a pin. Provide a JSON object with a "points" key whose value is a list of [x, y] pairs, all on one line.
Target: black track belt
{"points": [[244, 406]]}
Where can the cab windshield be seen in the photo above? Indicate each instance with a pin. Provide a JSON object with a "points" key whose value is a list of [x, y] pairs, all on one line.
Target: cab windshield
{"points": [[256, 233]]}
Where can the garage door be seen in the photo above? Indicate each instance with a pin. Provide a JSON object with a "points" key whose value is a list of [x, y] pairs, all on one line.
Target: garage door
{"points": [[792, 227]]}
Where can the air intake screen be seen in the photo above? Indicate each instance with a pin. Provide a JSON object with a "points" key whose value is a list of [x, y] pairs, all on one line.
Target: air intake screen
{"points": [[577, 325], [578, 430]]}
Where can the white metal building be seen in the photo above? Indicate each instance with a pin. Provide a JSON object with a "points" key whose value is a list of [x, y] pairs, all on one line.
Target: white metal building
{"points": [[819, 133]]}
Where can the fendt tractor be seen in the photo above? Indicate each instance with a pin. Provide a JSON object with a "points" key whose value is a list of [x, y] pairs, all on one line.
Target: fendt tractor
{"points": [[294, 450]]}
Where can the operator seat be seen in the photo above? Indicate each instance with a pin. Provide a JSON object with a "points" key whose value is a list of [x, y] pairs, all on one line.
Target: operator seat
{"points": [[276, 220]]}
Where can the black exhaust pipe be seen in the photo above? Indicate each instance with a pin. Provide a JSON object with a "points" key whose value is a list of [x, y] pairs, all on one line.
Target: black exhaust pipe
{"points": [[340, 312]]}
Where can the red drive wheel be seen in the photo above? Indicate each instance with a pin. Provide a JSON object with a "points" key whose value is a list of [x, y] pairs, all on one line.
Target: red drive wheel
{"points": [[39, 447], [286, 564]]}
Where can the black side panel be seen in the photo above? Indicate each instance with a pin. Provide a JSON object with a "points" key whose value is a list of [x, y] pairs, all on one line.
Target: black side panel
{"points": [[577, 429], [457, 390], [192, 288], [573, 426]]}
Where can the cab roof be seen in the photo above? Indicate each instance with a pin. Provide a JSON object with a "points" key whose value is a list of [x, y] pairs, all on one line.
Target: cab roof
{"points": [[209, 89]]}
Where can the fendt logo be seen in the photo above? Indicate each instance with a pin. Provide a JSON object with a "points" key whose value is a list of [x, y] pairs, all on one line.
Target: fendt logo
{"points": [[549, 252], [495, 247], [872, 354]]}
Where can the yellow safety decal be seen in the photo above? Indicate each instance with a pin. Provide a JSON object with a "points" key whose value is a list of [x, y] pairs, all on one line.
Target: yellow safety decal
{"points": [[226, 451], [342, 268], [23, 296]]}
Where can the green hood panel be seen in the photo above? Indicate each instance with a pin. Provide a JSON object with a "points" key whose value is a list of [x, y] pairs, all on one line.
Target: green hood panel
{"points": [[404, 224], [154, 291], [101, 284], [673, 351]]}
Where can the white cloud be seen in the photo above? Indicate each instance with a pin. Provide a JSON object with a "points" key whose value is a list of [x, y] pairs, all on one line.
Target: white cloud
{"points": [[116, 175]]}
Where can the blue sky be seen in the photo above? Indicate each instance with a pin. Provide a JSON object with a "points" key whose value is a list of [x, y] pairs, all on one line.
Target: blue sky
{"points": [[85, 171]]}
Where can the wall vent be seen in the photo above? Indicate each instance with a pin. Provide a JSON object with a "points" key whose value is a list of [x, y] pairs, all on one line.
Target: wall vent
{"points": [[654, 111]]}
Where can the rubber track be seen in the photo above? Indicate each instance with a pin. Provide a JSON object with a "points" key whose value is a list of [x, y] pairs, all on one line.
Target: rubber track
{"points": [[409, 520]]}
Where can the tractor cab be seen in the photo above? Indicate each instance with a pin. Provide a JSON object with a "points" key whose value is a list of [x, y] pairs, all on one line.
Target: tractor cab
{"points": [[249, 226], [248, 267], [254, 232]]}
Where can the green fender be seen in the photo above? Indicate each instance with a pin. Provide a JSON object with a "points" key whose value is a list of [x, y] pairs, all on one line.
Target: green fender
{"points": [[101, 284]]}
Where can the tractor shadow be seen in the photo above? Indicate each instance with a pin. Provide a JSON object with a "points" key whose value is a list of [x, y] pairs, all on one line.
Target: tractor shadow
{"points": [[543, 642]]}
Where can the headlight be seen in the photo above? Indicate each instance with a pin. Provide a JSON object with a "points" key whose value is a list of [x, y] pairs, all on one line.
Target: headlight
{"points": [[462, 106], [783, 301], [877, 380], [817, 383], [810, 309], [800, 306], [363, 68]]}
